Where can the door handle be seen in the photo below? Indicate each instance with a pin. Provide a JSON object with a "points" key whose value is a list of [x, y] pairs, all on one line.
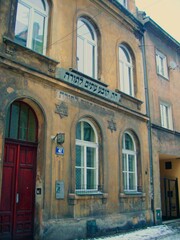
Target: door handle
{"points": [[17, 197]]}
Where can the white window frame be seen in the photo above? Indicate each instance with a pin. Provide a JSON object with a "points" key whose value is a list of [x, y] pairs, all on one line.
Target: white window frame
{"points": [[128, 153], [123, 2], [32, 10], [91, 42], [85, 145], [161, 64], [166, 115], [126, 71]]}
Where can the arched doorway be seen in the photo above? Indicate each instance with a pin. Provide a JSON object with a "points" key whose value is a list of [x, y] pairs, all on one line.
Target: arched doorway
{"points": [[19, 170]]}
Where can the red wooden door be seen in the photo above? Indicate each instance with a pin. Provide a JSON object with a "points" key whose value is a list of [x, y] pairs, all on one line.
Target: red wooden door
{"points": [[18, 191]]}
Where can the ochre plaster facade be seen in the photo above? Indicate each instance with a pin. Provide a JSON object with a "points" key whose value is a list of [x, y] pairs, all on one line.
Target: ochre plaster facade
{"points": [[32, 78]]}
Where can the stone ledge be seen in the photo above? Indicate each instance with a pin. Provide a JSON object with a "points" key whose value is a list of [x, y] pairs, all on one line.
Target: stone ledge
{"points": [[132, 195], [136, 102], [73, 198], [29, 58]]}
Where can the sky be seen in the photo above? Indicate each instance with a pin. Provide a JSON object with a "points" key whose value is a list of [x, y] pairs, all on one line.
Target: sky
{"points": [[166, 13]]}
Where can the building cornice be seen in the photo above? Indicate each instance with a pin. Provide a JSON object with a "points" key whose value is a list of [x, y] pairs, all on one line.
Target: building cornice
{"points": [[160, 32], [125, 17]]}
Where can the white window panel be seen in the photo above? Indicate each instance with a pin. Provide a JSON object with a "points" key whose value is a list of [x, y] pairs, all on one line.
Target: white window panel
{"points": [[126, 71], [166, 116], [161, 64], [31, 24], [86, 48], [129, 163], [86, 157]]}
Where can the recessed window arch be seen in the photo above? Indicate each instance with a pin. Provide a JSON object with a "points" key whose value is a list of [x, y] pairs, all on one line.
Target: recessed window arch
{"points": [[126, 70], [86, 48], [87, 157], [21, 122], [123, 2], [31, 24], [131, 164]]}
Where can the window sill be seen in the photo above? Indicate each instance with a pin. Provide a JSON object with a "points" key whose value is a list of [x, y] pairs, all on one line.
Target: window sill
{"points": [[164, 77], [129, 98], [82, 193], [73, 198], [163, 128], [132, 195]]}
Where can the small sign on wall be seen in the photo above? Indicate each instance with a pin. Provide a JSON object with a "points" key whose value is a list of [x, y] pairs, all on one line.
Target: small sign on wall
{"points": [[59, 188], [59, 150]]}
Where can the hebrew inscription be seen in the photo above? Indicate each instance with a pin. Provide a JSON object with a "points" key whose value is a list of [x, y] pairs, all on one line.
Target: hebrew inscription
{"points": [[88, 85]]}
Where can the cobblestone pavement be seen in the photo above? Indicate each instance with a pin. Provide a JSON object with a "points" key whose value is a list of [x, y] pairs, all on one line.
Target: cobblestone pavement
{"points": [[167, 231]]}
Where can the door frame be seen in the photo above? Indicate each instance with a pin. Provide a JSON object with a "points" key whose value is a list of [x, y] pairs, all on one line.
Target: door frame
{"points": [[167, 197], [13, 233], [40, 111]]}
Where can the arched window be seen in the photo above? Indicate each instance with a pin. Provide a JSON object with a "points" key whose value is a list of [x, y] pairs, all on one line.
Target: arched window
{"points": [[86, 48], [129, 164], [126, 71], [21, 122], [123, 2], [86, 157], [31, 24]]}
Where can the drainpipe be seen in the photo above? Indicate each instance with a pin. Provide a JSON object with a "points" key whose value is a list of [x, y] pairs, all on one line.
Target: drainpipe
{"points": [[148, 124]]}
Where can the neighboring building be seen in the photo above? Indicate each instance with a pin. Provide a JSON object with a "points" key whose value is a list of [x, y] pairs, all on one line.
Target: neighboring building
{"points": [[74, 137], [163, 77]]}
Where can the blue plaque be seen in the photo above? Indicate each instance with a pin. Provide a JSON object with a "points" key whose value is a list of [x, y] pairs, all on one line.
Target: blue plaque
{"points": [[59, 150]]}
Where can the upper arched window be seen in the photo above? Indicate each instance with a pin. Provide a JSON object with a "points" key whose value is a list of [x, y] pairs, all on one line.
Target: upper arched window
{"points": [[126, 71], [86, 48], [21, 122], [31, 24], [86, 157], [123, 2], [129, 164]]}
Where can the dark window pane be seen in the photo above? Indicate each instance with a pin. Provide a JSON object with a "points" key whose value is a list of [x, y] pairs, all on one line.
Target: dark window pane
{"points": [[14, 121], [91, 179], [7, 123], [128, 142], [124, 162], [80, 178], [132, 181], [125, 186], [131, 163], [79, 156], [23, 124], [22, 24], [88, 132], [78, 131], [38, 33], [90, 157], [32, 127]]}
